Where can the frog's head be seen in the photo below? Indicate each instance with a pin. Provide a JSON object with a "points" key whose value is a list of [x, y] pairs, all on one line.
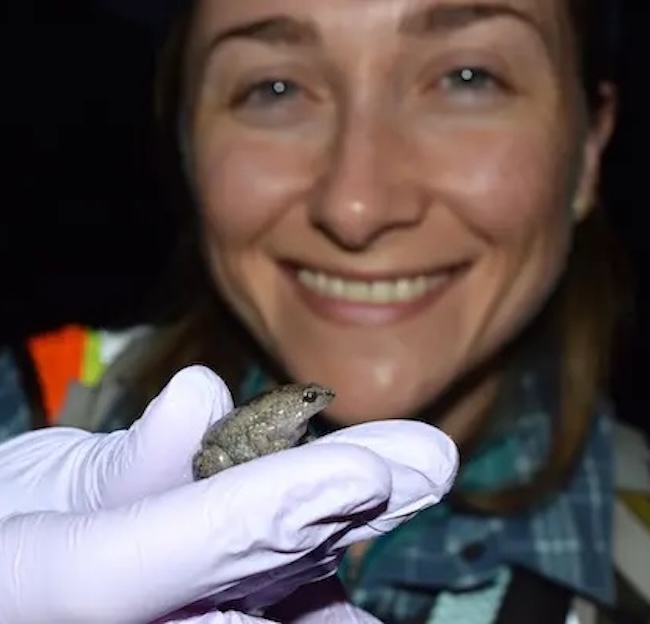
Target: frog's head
{"points": [[296, 404]]}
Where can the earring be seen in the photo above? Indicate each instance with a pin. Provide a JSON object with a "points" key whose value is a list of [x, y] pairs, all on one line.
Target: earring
{"points": [[580, 209]]}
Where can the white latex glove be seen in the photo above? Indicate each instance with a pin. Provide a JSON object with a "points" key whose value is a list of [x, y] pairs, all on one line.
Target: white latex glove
{"points": [[98, 528]]}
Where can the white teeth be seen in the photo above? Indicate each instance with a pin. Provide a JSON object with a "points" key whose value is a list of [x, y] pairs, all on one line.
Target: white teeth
{"points": [[378, 292]]}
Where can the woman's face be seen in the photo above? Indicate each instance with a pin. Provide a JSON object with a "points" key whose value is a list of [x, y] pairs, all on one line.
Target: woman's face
{"points": [[387, 188]]}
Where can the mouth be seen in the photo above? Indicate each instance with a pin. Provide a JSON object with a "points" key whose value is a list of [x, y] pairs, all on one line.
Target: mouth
{"points": [[372, 299]]}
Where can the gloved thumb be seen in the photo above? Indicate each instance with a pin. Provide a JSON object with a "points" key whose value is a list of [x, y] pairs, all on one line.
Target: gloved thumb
{"points": [[155, 454], [71, 470]]}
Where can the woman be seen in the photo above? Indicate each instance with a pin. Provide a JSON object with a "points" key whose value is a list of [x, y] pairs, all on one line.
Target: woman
{"points": [[399, 199]]}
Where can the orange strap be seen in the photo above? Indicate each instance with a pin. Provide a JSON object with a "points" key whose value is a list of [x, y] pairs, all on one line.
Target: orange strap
{"points": [[58, 358]]}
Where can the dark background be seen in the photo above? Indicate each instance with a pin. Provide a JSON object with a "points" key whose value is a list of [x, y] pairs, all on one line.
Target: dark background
{"points": [[83, 230]]}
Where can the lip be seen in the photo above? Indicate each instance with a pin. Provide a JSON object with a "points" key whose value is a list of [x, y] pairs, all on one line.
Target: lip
{"points": [[353, 313]]}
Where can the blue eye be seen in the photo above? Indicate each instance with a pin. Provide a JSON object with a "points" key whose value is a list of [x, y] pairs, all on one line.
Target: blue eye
{"points": [[267, 92], [473, 78]]}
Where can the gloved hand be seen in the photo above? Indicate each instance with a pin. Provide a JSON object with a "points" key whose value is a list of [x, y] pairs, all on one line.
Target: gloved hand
{"points": [[111, 528]]}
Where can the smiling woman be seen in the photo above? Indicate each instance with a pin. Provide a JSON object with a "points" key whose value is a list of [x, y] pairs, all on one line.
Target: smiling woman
{"points": [[377, 203], [398, 200]]}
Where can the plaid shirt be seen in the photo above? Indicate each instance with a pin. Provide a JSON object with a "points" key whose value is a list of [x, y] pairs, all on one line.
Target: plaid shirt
{"points": [[446, 566], [443, 551]]}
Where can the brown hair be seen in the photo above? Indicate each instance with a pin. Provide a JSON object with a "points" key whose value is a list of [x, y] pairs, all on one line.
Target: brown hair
{"points": [[583, 312]]}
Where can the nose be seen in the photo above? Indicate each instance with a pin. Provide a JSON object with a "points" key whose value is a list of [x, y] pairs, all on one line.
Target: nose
{"points": [[365, 190]]}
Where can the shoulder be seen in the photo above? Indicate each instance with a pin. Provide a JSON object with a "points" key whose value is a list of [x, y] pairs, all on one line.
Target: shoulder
{"points": [[14, 410], [632, 455], [631, 543], [630, 530]]}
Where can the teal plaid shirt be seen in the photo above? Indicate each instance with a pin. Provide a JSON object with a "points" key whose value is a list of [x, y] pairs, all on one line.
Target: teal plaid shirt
{"points": [[448, 567]]}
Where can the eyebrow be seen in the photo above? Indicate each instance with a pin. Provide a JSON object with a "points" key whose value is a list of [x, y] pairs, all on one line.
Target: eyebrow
{"points": [[449, 17], [289, 31], [279, 30]]}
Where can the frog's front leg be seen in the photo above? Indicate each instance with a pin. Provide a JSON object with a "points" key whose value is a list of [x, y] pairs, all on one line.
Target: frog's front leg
{"points": [[262, 439]]}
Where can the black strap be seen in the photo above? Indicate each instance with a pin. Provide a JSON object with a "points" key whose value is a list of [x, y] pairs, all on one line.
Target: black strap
{"points": [[534, 600]]}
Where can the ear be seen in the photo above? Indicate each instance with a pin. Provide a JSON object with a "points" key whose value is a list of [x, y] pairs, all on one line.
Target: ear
{"points": [[599, 132]]}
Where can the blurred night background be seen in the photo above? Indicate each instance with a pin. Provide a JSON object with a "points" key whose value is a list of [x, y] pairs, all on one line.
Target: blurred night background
{"points": [[83, 232]]}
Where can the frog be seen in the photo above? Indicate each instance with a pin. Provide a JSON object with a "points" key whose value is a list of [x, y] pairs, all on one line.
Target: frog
{"points": [[274, 421]]}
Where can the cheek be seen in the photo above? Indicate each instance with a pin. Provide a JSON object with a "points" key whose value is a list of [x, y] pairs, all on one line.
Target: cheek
{"points": [[242, 188], [513, 190], [516, 198], [507, 186]]}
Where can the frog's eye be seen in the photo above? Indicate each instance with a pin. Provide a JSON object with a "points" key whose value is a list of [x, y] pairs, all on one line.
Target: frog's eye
{"points": [[309, 396]]}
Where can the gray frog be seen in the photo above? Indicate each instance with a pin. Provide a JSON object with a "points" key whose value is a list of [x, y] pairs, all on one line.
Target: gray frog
{"points": [[274, 421]]}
